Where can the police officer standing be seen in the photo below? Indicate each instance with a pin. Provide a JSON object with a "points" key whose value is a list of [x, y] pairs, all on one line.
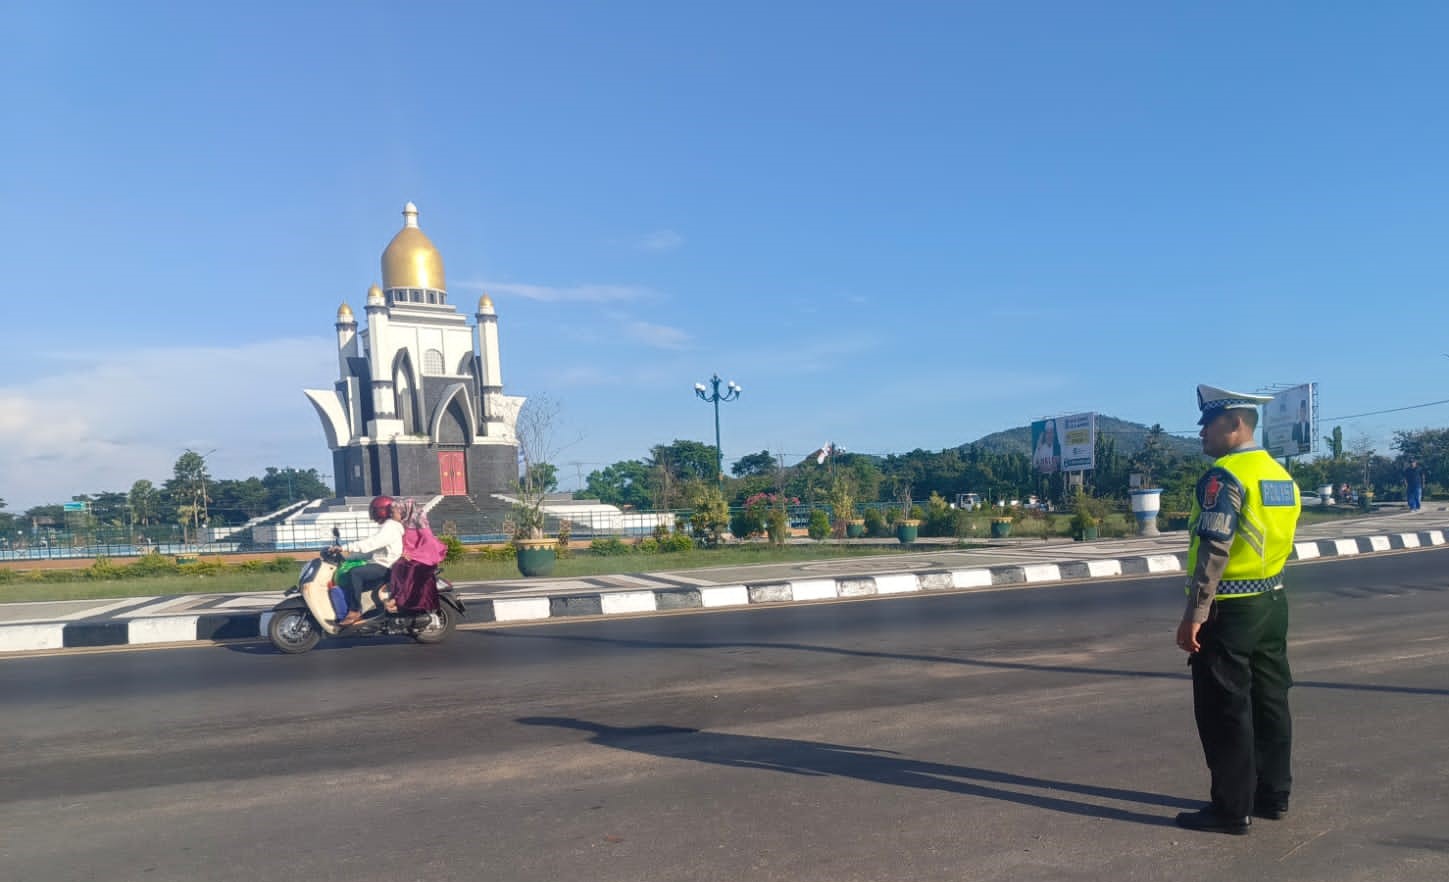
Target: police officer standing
{"points": [[1236, 624]]}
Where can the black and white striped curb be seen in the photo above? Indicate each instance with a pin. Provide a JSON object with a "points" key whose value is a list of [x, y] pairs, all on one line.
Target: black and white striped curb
{"points": [[251, 625]]}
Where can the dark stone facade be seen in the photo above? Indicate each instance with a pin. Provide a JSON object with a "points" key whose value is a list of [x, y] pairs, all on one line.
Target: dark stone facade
{"points": [[412, 469]]}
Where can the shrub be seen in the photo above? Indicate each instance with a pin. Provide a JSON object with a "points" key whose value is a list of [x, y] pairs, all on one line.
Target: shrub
{"points": [[565, 535], [609, 547], [819, 526], [777, 524], [454, 546], [875, 524], [710, 518], [647, 545], [676, 542], [153, 564], [500, 552], [940, 520], [747, 522], [103, 568]]}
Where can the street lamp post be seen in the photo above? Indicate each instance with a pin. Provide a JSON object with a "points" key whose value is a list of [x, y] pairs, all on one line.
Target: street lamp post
{"points": [[713, 396]]}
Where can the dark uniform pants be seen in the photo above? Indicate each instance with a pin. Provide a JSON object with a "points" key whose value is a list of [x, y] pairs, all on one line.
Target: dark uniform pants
{"points": [[361, 579], [1240, 681]]}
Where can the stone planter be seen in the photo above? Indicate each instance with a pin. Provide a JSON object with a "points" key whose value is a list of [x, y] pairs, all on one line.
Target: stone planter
{"points": [[1000, 528], [1086, 534], [536, 557], [907, 531], [1145, 506], [854, 529]]}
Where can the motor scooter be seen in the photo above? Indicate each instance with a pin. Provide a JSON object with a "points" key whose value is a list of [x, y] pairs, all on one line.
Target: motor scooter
{"points": [[307, 614]]}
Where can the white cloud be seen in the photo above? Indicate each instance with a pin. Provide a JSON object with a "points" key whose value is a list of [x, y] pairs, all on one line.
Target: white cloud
{"points": [[106, 419], [562, 294], [658, 336], [659, 240]]}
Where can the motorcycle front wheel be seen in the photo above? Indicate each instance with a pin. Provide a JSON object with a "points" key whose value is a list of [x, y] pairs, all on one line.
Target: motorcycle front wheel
{"points": [[292, 631], [443, 623]]}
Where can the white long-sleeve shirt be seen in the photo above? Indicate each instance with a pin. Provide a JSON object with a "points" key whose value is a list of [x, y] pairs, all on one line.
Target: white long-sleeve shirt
{"points": [[383, 547]]}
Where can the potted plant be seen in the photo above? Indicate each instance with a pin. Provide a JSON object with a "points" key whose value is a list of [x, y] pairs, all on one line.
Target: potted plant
{"points": [[1146, 503], [537, 553], [908, 529], [1001, 522], [1088, 512]]}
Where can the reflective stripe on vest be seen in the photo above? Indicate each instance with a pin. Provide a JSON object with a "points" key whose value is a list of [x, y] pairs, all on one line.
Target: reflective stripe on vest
{"points": [[1264, 537]]}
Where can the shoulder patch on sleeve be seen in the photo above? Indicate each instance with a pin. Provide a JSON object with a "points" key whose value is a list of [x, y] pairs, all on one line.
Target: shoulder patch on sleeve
{"points": [[1219, 518]]}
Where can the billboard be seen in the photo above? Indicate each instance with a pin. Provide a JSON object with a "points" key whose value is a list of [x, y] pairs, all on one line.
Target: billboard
{"points": [[1289, 420], [1064, 444]]}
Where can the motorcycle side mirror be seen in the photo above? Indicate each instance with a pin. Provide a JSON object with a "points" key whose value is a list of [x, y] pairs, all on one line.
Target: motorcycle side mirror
{"points": [[336, 535]]}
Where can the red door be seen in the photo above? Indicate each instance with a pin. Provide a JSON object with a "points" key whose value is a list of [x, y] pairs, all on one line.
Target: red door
{"points": [[451, 476]]}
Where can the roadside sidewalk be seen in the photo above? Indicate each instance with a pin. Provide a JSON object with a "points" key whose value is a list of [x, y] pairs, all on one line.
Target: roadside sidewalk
{"points": [[37, 626]]}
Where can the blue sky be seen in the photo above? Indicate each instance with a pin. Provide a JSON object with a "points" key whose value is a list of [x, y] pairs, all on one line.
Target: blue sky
{"points": [[896, 225]]}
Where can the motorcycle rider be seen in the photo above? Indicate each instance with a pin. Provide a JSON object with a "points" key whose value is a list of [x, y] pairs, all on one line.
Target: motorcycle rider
{"points": [[381, 550]]}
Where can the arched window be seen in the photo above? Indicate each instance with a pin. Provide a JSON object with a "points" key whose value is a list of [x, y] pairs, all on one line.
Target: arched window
{"points": [[432, 362]]}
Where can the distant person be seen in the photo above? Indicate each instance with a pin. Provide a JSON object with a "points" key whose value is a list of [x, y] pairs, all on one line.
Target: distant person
{"points": [[1235, 627], [1045, 458], [1302, 429], [1345, 494], [1414, 484]]}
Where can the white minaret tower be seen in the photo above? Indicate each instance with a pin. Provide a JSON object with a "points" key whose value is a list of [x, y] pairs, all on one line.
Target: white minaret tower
{"points": [[346, 339], [490, 366], [379, 359]]}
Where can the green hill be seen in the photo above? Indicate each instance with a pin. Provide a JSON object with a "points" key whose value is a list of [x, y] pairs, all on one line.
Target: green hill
{"points": [[1129, 437]]}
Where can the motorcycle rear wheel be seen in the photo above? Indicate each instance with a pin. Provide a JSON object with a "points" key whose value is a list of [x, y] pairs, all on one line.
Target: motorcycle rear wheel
{"points": [[447, 620], [292, 631]]}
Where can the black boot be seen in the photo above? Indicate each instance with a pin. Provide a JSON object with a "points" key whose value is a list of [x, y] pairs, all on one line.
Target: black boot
{"points": [[1209, 820]]}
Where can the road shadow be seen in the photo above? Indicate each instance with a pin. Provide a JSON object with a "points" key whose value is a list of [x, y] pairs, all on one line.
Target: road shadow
{"points": [[820, 759], [934, 659]]}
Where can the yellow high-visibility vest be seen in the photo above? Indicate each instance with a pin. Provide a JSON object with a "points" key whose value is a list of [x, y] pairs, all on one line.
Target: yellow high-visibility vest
{"points": [[1265, 527]]}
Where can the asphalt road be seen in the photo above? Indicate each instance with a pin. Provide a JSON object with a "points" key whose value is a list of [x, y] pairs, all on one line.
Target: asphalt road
{"points": [[1034, 734]]}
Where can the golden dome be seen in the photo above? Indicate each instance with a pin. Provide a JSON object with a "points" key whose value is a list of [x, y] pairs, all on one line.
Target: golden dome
{"points": [[344, 314], [410, 260], [374, 296], [485, 303]]}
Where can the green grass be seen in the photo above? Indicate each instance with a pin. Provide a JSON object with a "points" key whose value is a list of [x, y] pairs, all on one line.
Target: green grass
{"points": [[76, 585]]}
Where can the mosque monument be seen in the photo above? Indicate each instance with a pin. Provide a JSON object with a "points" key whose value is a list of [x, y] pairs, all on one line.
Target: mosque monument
{"points": [[418, 407]]}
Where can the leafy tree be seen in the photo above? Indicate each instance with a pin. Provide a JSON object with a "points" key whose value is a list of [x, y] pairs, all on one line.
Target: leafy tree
{"points": [[545, 475], [187, 488], [625, 484], [671, 465], [7, 520], [144, 500], [1429, 446], [287, 485], [1154, 459], [1335, 443], [754, 464], [686, 459], [109, 508]]}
